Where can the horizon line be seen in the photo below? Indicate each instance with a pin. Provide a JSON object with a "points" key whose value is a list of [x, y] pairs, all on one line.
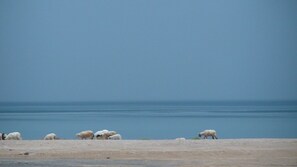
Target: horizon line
{"points": [[145, 101]]}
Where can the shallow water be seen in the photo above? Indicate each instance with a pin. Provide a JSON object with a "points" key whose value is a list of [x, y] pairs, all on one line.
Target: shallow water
{"points": [[152, 120]]}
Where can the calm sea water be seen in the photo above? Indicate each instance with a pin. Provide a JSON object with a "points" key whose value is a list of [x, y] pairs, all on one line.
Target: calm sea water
{"points": [[152, 120]]}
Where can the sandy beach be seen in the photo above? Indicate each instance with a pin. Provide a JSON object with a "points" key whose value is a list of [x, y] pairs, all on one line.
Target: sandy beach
{"points": [[225, 152]]}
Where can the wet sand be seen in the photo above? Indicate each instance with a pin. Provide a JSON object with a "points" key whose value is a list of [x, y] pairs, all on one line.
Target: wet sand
{"points": [[223, 152]]}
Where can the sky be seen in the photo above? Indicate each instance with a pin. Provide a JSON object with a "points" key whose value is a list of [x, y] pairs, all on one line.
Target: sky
{"points": [[148, 50]]}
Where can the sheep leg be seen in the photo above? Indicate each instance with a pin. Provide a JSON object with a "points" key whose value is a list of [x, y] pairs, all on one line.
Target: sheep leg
{"points": [[216, 137], [212, 137]]}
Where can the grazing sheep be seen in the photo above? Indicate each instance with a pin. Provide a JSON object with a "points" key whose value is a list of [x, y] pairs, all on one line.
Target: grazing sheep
{"points": [[88, 134], [207, 133], [115, 137], [104, 134], [111, 133], [14, 136], [50, 136], [100, 134], [2, 136]]}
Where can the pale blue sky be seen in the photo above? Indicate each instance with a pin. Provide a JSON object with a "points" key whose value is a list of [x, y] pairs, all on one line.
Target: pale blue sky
{"points": [[134, 50]]}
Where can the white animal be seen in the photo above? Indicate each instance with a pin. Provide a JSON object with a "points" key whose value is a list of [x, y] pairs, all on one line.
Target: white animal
{"points": [[104, 134], [207, 133], [100, 134], [115, 137], [111, 133], [88, 134], [14, 136], [50, 136]]}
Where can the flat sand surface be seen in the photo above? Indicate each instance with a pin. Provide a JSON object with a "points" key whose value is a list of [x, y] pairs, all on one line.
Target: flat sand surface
{"points": [[222, 152]]}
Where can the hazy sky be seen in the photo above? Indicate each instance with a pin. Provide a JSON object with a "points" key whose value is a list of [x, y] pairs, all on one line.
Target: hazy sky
{"points": [[69, 50]]}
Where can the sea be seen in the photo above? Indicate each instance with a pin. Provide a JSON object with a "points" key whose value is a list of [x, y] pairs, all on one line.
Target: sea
{"points": [[152, 120]]}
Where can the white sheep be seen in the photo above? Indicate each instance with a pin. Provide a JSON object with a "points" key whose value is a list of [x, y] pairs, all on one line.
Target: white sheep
{"points": [[111, 133], [88, 134], [207, 133], [100, 134], [50, 136], [14, 136], [104, 134], [115, 137]]}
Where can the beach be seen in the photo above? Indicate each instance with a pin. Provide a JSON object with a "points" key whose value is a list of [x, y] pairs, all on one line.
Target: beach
{"points": [[222, 152]]}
